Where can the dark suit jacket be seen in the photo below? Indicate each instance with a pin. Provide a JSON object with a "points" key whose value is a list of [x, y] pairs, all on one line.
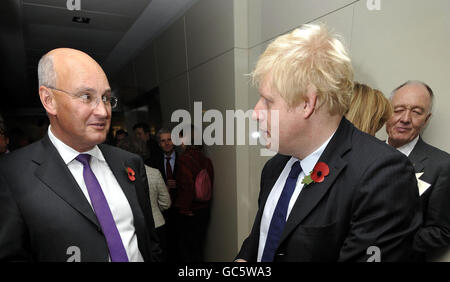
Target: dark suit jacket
{"points": [[369, 198], [43, 210], [158, 162], [435, 165], [154, 151]]}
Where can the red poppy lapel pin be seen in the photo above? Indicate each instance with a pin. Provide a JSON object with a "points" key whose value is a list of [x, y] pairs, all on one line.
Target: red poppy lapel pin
{"points": [[318, 174], [131, 174]]}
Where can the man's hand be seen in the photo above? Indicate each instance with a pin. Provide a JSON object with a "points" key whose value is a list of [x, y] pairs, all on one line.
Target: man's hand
{"points": [[240, 260]]}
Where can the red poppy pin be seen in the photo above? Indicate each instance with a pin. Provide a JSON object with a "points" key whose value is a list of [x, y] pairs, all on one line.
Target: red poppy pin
{"points": [[318, 174], [131, 174]]}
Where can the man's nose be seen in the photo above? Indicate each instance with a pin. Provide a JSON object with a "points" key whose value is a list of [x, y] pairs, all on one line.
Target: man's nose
{"points": [[100, 108], [406, 116], [256, 115]]}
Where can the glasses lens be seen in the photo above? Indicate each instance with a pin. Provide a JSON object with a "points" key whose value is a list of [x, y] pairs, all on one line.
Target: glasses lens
{"points": [[113, 102]]}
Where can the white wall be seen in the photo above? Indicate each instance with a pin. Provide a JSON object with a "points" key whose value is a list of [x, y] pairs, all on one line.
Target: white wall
{"points": [[406, 39]]}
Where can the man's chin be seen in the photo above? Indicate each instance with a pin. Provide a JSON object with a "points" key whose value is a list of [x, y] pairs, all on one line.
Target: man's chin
{"points": [[399, 141], [98, 139], [272, 146], [98, 130]]}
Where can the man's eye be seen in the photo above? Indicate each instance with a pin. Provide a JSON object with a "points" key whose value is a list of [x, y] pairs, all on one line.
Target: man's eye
{"points": [[85, 97]]}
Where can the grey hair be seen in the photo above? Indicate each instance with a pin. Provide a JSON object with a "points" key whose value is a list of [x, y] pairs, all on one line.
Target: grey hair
{"points": [[416, 82], [162, 131], [46, 71]]}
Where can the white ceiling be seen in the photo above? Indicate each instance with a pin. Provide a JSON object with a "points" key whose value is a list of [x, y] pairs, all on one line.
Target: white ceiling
{"points": [[117, 30]]}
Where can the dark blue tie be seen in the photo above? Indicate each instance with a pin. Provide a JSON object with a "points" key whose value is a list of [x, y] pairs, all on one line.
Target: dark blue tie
{"points": [[279, 215]]}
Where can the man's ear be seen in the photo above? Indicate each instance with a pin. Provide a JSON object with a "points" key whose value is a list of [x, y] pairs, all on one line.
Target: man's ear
{"points": [[47, 100], [428, 118], [309, 105]]}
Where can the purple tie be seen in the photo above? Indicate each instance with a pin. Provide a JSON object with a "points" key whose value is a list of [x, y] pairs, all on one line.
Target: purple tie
{"points": [[116, 249]]}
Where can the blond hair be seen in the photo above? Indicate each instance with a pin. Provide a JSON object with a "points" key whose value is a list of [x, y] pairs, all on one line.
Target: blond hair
{"points": [[369, 109], [308, 56]]}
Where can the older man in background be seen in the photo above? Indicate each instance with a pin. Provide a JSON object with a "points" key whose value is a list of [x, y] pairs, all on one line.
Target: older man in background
{"points": [[412, 103]]}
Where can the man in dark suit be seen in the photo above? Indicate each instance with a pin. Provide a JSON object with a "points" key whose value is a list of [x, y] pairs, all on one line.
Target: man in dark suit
{"points": [[412, 103], [166, 162], [332, 193], [65, 197]]}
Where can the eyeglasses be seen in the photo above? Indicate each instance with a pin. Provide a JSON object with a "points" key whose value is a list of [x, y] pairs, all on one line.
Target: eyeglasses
{"points": [[88, 98]]}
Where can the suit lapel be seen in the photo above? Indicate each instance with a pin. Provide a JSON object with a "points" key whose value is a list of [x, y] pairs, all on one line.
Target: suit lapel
{"points": [[418, 156], [118, 168], [175, 167], [311, 194], [310, 197], [53, 172], [279, 162]]}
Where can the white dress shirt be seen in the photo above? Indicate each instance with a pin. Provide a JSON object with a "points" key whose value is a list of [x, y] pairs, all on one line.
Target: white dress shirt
{"points": [[117, 201], [407, 148], [307, 165]]}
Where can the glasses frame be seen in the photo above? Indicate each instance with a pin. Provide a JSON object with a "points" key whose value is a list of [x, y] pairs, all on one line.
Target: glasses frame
{"points": [[113, 101]]}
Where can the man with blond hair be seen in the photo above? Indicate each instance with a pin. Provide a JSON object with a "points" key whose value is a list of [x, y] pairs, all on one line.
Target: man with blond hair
{"points": [[332, 193]]}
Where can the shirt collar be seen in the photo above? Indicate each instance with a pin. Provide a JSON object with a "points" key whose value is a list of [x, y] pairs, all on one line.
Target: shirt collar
{"points": [[172, 156], [68, 154], [310, 161], [407, 148]]}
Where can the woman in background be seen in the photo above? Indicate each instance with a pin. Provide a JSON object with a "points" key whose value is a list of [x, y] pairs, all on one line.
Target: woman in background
{"points": [[369, 109], [159, 193]]}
